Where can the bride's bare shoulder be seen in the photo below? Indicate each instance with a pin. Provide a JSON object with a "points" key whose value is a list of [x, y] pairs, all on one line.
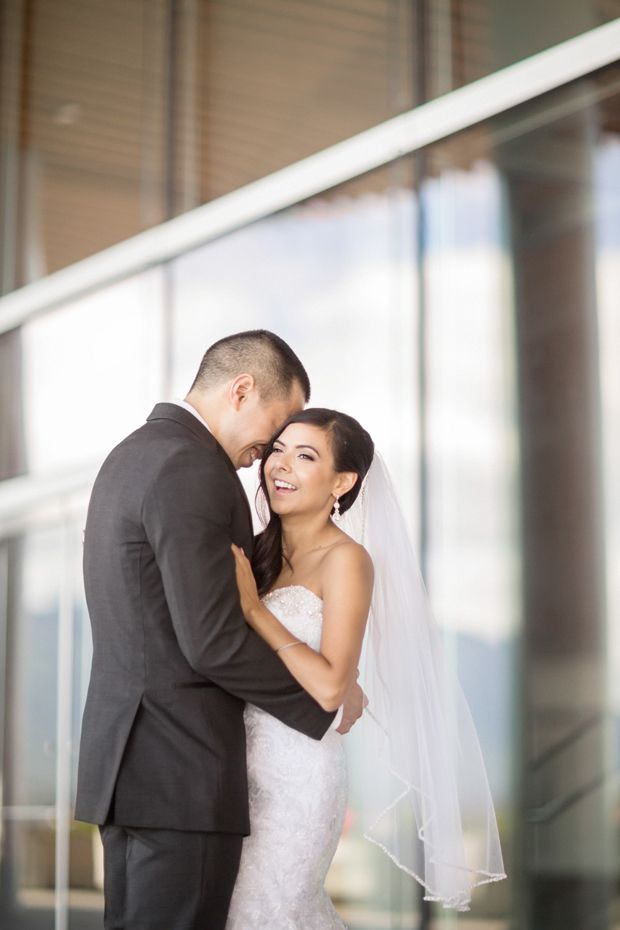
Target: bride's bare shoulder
{"points": [[348, 558]]}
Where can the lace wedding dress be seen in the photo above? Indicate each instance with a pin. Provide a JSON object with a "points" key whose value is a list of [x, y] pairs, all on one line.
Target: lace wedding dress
{"points": [[298, 799]]}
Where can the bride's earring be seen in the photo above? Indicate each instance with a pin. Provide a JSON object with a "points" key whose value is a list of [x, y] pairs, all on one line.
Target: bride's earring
{"points": [[336, 510]]}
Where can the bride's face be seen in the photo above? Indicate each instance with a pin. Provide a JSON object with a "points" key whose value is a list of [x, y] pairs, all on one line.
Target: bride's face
{"points": [[300, 472]]}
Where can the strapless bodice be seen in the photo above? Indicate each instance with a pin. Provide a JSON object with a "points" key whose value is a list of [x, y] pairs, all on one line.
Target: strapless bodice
{"points": [[300, 610]]}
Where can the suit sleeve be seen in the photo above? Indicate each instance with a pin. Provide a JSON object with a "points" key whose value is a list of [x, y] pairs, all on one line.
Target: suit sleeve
{"points": [[187, 515]]}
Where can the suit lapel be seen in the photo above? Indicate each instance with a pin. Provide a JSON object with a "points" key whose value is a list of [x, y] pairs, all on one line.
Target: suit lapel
{"points": [[181, 415], [237, 481]]}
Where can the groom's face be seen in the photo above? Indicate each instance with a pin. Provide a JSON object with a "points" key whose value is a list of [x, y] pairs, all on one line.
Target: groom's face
{"points": [[256, 422]]}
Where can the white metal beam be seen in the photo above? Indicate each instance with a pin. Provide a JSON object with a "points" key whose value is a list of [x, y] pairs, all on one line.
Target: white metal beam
{"points": [[371, 149], [30, 493]]}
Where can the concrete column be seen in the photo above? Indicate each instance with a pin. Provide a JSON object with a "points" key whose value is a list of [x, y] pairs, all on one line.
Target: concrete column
{"points": [[563, 860]]}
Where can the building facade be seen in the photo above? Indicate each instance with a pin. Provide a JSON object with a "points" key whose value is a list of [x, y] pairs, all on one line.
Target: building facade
{"points": [[423, 198]]}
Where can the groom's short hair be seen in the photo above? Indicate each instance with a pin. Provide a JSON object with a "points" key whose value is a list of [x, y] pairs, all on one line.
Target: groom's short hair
{"points": [[257, 352]]}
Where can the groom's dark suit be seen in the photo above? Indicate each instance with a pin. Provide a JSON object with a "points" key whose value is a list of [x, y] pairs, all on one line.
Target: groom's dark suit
{"points": [[163, 741]]}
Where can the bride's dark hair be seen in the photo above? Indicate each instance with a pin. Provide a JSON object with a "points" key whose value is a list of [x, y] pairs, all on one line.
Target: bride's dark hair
{"points": [[353, 451]]}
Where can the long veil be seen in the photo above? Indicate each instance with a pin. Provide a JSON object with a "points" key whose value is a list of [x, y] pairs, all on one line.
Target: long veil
{"points": [[427, 802]]}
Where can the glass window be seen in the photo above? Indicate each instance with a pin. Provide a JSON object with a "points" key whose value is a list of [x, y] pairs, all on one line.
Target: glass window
{"points": [[467, 39], [336, 278], [92, 372], [518, 269], [29, 777], [50, 869], [471, 440], [463, 305], [535, 263]]}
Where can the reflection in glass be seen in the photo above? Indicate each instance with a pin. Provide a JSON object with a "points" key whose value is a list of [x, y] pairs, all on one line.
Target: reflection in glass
{"points": [[565, 836], [607, 195], [470, 462], [546, 169], [608, 299]]}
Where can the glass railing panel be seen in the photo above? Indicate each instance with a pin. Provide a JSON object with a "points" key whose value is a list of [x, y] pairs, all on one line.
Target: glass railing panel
{"points": [[51, 866], [30, 740]]}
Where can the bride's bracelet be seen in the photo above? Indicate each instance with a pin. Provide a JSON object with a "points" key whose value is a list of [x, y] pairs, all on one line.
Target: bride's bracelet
{"points": [[297, 642]]}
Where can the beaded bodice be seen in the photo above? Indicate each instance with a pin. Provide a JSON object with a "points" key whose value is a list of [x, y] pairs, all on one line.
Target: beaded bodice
{"points": [[300, 610]]}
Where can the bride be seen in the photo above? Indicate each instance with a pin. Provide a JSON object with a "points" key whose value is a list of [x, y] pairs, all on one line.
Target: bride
{"points": [[309, 593]]}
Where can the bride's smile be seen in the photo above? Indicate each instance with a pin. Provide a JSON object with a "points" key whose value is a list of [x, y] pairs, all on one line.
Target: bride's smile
{"points": [[300, 472]]}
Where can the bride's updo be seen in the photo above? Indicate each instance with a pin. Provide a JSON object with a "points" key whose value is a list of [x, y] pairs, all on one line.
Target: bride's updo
{"points": [[353, 451]]}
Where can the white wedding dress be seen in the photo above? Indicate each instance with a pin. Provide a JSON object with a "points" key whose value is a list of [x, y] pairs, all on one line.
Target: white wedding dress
{"points": [[298, 800]]}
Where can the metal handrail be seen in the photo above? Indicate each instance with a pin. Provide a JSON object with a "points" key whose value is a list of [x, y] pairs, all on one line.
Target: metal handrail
{"points": [[566, 741], [557, 806]]}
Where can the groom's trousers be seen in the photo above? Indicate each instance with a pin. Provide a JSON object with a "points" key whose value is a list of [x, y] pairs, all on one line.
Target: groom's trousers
{"points": [[168, 879]]}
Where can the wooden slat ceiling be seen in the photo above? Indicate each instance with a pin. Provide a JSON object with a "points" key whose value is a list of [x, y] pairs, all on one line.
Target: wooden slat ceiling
{"points": [[82, 126], [258, 84], [275, 80], [286, 78]]}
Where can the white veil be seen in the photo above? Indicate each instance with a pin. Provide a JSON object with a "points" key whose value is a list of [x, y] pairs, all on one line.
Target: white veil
{"points": [[427, 802]]}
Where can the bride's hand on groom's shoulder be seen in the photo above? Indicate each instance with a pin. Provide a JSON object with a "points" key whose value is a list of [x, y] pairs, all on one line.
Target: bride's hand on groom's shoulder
{"points": [[246, 583]]}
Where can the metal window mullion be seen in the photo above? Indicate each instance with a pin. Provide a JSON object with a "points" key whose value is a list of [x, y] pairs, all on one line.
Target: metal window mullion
{"points": [[4, 598], [63, 726], [11, 23]]}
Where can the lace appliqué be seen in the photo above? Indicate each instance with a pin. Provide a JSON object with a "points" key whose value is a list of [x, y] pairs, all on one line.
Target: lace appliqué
{"points": [[298, 800]]}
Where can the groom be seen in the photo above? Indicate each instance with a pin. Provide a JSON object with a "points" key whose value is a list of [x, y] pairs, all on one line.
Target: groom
{"points": [[162, 759]]}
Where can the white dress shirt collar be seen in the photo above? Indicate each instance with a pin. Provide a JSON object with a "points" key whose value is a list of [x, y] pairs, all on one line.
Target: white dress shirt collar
{"points": [[183, 403]]}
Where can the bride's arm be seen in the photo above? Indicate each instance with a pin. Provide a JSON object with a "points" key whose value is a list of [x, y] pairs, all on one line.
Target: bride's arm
{"points": [[347, 579]]}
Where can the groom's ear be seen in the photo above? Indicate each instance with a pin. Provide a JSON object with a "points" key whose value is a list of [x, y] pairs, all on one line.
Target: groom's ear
{"points": [[240, 388]]}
